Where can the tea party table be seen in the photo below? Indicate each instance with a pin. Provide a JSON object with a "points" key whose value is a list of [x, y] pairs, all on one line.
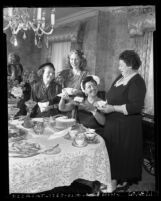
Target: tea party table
{"points": [[43, 162]]}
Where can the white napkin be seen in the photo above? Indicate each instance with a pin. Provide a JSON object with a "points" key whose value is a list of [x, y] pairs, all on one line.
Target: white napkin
{"points": [[43, 106]]}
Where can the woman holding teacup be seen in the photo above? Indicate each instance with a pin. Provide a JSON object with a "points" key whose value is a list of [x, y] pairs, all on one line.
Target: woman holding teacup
{"points": [[45, 91], [86, 112], [74, 73], [123, 128]]}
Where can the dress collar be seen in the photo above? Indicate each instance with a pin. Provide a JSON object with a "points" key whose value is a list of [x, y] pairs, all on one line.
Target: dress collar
{"points": [[124, 80]]}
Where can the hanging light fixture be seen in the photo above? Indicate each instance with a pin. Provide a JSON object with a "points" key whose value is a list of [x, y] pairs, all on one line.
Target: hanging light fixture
{"points": [[23, 19]]}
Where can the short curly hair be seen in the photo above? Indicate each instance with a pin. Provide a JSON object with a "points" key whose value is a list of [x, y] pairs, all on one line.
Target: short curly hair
{"points": [[80, 54], [88, 79], [41, 68], [131, 58]]}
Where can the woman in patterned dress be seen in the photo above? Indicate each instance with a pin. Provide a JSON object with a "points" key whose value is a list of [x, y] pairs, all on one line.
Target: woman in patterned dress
{"points": [[75, 72]]}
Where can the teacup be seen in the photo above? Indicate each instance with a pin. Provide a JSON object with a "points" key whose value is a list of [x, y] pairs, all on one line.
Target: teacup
{"points": [[79, 141], [90, 136]]}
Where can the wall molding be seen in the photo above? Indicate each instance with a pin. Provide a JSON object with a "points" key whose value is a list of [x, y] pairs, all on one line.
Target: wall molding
{"points": [[141, 19], [91, 12]]}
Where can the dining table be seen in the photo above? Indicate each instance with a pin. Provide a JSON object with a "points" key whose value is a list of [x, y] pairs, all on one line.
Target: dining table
{"points": [[41, 162]]}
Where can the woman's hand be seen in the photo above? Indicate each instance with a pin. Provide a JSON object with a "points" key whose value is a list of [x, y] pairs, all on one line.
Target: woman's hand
{"points": [[65, 95], [106, 109]]}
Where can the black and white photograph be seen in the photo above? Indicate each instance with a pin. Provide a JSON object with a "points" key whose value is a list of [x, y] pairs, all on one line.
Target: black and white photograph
{"points": [[80, 96]]}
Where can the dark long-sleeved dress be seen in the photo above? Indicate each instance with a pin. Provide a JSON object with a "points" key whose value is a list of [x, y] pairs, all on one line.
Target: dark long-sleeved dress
{"points": [[87, 119], [123, 133], [42, 94]]}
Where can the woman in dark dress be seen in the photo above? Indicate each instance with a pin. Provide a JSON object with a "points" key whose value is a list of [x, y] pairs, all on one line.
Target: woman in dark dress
{"points": [[45, 91], [123, 127]]}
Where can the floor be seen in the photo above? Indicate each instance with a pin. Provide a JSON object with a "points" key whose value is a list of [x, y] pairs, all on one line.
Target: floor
{"points": [[146, 185]]}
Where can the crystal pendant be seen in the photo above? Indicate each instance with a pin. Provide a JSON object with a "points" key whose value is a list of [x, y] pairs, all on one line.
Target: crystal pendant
{"points": [[39, 44], [13, 40], [24, 36], [35, 41]]}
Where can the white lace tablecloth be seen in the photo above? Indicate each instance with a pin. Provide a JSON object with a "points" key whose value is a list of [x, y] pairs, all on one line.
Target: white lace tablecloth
{"points": [[44, 172]]}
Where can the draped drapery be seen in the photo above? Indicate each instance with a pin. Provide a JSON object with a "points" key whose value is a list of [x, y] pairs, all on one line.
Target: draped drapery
{"points": [[61, 42], [144, 47], [59, 53], [141, 25]]}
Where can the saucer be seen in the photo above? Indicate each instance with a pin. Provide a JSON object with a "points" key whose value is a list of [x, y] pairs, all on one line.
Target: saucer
{"points": [[76, 145], [93, 141]]}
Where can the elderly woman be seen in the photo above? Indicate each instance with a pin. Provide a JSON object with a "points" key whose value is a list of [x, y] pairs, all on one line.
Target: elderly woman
{"points": [[75, 72], [87, 113], [45, 91], [14, 68], [123, 127]]}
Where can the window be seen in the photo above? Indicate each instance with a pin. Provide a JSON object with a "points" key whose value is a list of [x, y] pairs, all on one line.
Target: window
{"points": [[59, 53]]}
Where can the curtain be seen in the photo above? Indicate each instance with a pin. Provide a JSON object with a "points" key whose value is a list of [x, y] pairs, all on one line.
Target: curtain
{"points": [[59, 52], [144, 47]]}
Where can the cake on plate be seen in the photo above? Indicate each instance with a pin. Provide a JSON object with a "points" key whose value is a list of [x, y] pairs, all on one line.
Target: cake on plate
{"points": [[64, 122]]}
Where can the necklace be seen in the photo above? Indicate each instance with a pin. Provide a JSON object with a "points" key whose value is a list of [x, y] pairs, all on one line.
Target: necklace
{"points": [[124, 79]]}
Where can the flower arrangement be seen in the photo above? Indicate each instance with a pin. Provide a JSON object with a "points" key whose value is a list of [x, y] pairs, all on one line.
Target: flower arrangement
{"points": [[17, 91]]}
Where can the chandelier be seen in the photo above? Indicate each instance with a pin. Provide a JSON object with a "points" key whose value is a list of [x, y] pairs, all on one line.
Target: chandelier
{"points": [[23, 19]]}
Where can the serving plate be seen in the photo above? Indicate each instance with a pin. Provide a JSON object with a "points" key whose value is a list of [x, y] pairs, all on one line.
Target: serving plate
{"points": [[24, 149]]}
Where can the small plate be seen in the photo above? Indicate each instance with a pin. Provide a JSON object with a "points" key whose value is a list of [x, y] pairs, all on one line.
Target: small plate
{"points": [[76, 145]]}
